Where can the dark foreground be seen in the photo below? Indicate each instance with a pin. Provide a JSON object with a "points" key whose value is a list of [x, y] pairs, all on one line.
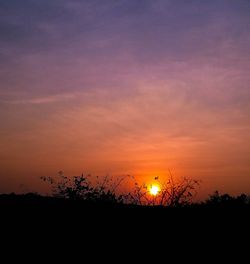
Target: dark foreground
{"points": [[45, 224], [32, 208]]}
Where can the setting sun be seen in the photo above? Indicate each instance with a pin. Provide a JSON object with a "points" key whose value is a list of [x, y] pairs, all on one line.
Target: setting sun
{"points": [[154, 190]]}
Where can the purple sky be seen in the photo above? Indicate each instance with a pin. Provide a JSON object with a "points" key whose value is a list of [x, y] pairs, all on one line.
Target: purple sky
{"points": [[125, 86]]}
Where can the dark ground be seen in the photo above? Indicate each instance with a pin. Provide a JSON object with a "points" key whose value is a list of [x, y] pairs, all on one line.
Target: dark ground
{"points": [[58, 226], [31, 207]]}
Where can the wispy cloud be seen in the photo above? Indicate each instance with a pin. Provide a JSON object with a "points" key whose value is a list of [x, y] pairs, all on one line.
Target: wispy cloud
{"points": [[44, 100], [127, 85]]}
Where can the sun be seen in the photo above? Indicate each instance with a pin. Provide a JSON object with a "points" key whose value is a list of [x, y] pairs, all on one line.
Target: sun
{"points": [[154, 190]]}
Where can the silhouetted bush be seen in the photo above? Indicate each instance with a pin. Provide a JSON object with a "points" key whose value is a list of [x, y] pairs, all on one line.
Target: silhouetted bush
{"points": [[173, 193], [226, 200], [81, 188]]}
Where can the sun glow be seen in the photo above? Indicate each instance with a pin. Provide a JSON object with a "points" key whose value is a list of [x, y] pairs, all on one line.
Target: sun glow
{"points": [[154, 190]]}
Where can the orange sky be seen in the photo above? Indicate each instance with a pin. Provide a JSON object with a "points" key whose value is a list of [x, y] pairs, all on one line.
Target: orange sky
{"points": [[125, 88]]}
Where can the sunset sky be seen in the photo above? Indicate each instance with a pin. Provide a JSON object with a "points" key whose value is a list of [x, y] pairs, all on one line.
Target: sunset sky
{"points": [[125, 87]]}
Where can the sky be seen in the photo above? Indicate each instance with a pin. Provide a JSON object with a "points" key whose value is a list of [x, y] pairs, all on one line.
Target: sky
{"points": [[125, 87]]}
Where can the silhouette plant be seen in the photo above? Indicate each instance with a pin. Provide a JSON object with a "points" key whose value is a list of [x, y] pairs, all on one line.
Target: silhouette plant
{"points": [[172, 193], [226, 200], [81, 188], [178, 193]]}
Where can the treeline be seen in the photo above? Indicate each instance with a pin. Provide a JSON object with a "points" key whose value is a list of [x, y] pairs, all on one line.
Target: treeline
{"points": [[214, 200], [105, 191]]}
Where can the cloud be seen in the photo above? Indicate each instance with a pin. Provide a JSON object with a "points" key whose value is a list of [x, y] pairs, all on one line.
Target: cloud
{"points": [[44, 100], [128, 82]]}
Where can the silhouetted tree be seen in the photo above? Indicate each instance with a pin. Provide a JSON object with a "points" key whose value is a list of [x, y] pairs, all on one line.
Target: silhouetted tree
{"points": [[173, 193], [81, 188], [226, 200]]}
